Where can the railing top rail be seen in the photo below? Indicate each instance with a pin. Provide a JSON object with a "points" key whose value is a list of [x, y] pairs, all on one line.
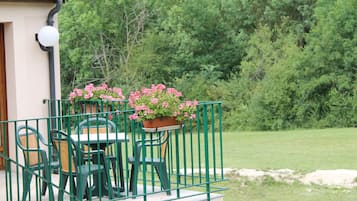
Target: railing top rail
{"points": [[65, 116], [201, 103], [126, 101]]}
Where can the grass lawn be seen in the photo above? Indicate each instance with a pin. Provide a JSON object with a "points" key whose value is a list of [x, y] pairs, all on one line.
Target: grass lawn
{"points": [[301, 150]]}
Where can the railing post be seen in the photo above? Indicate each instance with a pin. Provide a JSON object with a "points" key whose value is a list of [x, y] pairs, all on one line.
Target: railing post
{"points": [[205, 128], [177, 164]]}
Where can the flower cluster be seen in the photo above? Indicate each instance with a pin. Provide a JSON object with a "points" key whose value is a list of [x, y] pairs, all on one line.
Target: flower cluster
{"points": [[159, 101], [91, 92]]}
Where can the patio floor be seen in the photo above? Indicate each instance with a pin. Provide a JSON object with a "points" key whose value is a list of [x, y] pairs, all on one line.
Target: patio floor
{"points": [[55, 179]]}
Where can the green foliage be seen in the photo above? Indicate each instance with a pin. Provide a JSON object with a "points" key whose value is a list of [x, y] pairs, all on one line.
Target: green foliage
{"points": [[266, 88], [201, 33], [328, 81], [275, 64], [97, 38]]}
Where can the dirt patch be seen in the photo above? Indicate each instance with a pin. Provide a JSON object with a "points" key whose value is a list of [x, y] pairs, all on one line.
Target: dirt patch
{"points": [[336, 178]]}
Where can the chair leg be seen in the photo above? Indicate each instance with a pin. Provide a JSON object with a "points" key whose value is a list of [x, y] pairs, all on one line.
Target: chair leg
{"points": [[131, 178], [121, 169], [26, 179], [81, 185], [45, 184], [114, 172], [87, 192], [162, 172], [74, 186], [62, 186], [107, 176]]}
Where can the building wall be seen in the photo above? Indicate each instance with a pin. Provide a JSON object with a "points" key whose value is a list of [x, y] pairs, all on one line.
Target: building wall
{"points": [[27, 68]]}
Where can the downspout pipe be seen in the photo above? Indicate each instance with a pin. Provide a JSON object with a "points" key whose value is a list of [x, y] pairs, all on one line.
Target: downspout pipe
{"points": [[51, 61], [52, 12]]}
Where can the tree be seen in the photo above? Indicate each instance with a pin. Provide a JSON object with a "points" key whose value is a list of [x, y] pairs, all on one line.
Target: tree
{"points": [[330, 66], [97, 41]]}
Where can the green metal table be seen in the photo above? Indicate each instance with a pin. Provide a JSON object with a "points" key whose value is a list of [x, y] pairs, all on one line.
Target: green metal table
{"points": [[101, 141]]}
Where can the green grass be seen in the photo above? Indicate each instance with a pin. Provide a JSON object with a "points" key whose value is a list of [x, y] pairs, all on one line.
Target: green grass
{"points": [[301, 150], [268, 190], [298, 150]]}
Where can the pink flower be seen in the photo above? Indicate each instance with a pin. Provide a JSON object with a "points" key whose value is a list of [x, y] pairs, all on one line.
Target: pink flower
{"points": [[159, 101], [72, 95], [195, 102], [189, 103], [146, 91], [148, 111], [89, 87], [165, 104], [134, 96], [174, 92], [133, 116], [181, 106], [88, 95], [119, 92], [140, 107], [154, 100], [79, 92], [104, 86], [158, 87], [193, 116]]}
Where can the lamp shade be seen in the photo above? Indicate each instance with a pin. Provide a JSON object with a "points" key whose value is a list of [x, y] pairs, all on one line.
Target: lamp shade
{"points": [[48, 36]]}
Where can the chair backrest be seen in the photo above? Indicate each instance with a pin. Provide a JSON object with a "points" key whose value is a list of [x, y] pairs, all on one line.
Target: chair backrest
{"points": [[156, 146], [95, 125], [164, 145], [65, 147], [28, 139]]}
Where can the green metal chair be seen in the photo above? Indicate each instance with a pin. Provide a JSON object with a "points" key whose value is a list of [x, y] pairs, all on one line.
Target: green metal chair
{"points": [[158, 147], [31, 142], [102, 126], [71, 165]]}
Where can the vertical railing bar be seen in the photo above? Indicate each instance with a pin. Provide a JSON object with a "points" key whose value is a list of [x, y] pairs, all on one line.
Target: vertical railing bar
{"points": [[8, 172], [213, 120], [132, 125], [171, 161], [166, 134], [220, 137], [38, 178], [126, 151], [152, 167], [199, 144], [205, 124], [184, 155], [28, 156], [192, 155], [70, 154], [158, 154], [177, 164], [143, 147], [106, 140], [17, 168]]}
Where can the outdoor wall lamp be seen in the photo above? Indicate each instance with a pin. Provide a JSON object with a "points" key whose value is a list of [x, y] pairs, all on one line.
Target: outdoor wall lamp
{"points": [[48, 36]]}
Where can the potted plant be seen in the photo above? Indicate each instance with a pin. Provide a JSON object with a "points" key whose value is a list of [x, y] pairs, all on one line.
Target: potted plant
{"points": [[159, 104], [89, 96]]}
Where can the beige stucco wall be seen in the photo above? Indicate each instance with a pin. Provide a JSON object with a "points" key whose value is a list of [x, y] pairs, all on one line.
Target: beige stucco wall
{"points": [[27, 68]]}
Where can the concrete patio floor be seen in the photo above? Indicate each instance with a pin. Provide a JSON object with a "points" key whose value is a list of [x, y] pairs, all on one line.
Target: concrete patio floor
{"points": [[17, 182]]}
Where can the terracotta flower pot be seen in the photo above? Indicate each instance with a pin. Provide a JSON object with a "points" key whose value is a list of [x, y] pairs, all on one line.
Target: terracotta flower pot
{"points": [[90, 108], [160, 122]]}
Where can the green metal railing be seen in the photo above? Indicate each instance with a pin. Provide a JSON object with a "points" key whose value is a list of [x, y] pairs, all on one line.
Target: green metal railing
{"points": [[193, 158]]}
